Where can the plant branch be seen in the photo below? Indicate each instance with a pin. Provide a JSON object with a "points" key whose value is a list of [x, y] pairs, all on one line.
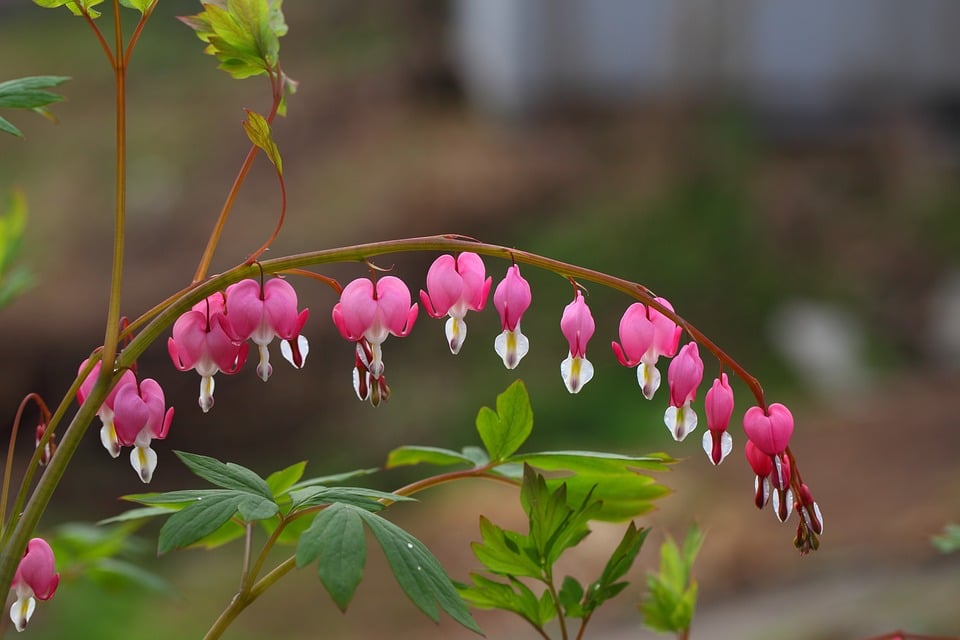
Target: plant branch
{"points": [[97, 33], [8, 467], [136, 33]]}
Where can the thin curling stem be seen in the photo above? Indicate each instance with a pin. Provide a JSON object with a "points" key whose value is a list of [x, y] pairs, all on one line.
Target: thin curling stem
{"points": [[8, 467]]}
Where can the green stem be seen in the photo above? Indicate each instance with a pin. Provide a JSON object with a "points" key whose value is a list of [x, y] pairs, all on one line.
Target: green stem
{"points": [[112, 333], [548, 574]]}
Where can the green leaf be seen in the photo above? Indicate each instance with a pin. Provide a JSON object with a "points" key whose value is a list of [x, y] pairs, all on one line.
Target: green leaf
{"points": [[228, 476], [197, 520], [369, 499], [506, 552], [622, 558], [672, 596], [244, 35], [504, 431], [139, 513], [418, 572], [224, 534], [280, 481], [176, 499], [139, 5], [571, 592], [410, 455], [336, 537], [336, 478], [112, 573], [73, 5], [613, 479], [254, 508], [949, 540], [7, 127], [258, 130]]}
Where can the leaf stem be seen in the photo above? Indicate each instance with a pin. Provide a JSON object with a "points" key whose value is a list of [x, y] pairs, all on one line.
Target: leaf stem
{"points": [[207, 257], [97, 33], [8, 467], [136, 32]]}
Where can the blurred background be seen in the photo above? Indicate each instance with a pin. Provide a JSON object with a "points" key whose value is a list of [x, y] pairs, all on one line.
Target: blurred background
{"points": [[785, 173]]}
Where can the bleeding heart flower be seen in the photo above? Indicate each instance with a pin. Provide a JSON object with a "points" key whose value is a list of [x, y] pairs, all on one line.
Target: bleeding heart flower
{"points": [[140, 416], [683, 376], [512, 298], [455, 286], [36, 577], [577, 326]]}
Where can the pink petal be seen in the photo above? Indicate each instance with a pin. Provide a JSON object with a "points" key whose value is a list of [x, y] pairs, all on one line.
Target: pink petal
{"points": [[512, 298], [719, 404], [636, 335], [770, 431], [685, 374], [577, 325]]}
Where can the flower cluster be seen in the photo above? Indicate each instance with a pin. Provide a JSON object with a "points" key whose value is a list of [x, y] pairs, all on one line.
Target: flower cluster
{"points": [[133, 414], [36, 579]]}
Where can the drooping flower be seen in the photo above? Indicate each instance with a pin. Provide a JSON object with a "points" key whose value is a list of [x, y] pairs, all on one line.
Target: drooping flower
{"points": [[36, 579], [512, 298], [773, 475], [367, 314], [577, 326], [718, 403], [261, 314], [645, 335], [203, 340], [49, 448], [769, 430], [809, 510], [140, 415], [108, 432], [683, 376], [455, 286]]}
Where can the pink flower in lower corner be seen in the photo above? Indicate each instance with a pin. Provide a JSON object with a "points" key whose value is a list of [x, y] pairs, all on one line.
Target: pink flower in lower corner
{"points": [[108, 432], [203, 340], [773, 474], [262, 314], [718, 405], [645, 335], [140, 416], [512, 298], [577, 326], [36, 579], [367, 314], [455, 286], [683, 376]]}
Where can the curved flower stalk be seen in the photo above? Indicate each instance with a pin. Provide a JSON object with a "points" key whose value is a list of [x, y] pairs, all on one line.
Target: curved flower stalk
{"points": [[512, 299], [203, 340], [36, 579], [455, 286]]}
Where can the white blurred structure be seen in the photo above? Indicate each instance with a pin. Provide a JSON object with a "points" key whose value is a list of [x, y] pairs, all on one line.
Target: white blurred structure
{"points": [[518, 55]]}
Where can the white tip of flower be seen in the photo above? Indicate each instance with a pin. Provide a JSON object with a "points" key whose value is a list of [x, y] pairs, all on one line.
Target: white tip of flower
{"points": [[303, 348], [511, 346], [726, 446], [456, 330], [108, 437], [363, 392], [818, 525], [144, 461], [576, 372], [21, 611], [264, 370], [648, 377], [782, 504], [376, 362], [680, 421], [206, 393]]}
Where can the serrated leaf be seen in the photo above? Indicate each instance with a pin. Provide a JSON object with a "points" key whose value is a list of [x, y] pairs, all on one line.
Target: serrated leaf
{"points": [[197, 520], [28, 93], [139, 5], [280, 481], [570, 595], [258, 130], [503, 431], [506, 552], [227, 475], [418, 572], [336, 537], [672, 595], [73, 5], [410, 455], [622, 558]]}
